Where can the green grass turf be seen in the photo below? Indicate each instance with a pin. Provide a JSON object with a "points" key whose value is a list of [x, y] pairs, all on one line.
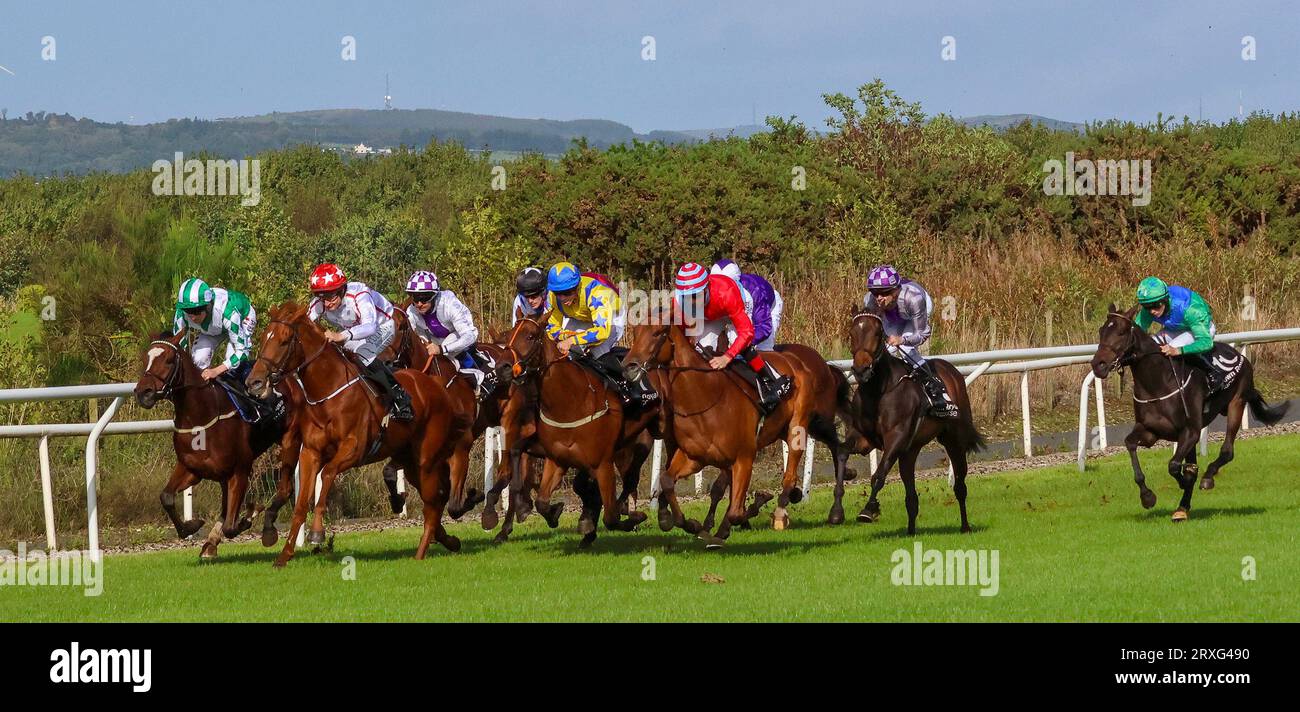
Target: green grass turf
{"points": [[1072, 547]]}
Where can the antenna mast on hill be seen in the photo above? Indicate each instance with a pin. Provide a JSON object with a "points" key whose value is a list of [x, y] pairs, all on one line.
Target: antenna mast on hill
{"points": [[388, 98]]}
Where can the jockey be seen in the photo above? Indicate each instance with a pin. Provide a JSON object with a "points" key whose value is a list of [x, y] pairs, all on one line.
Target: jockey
{"points": [[587, 320], [366, 319], [212, 315], [444, 324], [722, 304], [1187, 328], [768, 304], [905, 309], [531, 299]]}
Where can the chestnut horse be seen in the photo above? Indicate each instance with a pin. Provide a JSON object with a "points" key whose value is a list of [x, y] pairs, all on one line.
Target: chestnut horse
{"points": [[344, 424], [211, 440], [713, 419], [890, 410], [577, 420], [1169, 404]]}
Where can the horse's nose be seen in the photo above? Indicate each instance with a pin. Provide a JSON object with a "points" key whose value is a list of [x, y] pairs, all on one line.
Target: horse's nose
{"points": [[633, 371], [146, 397], [255, 386], [1100, 368]]}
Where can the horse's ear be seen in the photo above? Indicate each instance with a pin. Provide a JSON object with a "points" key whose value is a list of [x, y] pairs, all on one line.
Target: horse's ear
{"points": [[1131, 312], [1112, 308]]}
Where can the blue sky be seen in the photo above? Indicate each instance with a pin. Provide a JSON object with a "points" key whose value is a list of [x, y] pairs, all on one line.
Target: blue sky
{"points": [[152, 60]]}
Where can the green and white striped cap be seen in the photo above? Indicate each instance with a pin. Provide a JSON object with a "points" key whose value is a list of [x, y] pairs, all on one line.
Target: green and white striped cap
{"points": [[194, 293]]}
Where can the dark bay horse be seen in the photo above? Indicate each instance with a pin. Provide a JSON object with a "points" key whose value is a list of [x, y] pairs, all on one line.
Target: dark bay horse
{"points": [[344, 424], [579, 422], [212, 442], [1170, 403], [713, 419], [890, 411]]}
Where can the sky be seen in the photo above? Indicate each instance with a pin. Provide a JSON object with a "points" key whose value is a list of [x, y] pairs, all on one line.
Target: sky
{"points": [[714, 62]]}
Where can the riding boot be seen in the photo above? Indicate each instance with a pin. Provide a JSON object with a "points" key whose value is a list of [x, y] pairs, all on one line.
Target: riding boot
{"points": [[488, 386], [941, 405], [635, 393], [1213, 376], [398, 399], [233, 381]]}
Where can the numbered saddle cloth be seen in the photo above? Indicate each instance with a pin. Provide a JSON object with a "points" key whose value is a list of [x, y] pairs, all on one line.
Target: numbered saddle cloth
{"points": [[1228, 361]]}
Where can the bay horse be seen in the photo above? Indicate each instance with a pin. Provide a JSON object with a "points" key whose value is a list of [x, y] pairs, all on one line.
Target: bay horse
{"points": [[890, 411], [211, 440], [713, 419], [578, 422], [1169, 403], [344, 424]]}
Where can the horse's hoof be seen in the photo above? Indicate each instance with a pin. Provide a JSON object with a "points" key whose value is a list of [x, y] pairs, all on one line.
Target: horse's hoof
{"points": [[693, 527], [207, 553], [869, 515], [1207, 483], [451, 543], [316, 537], [780, 522], [397, 503], [762, 498], [665, 519], [501, 537], [586, 526], [187, 528], [552, 516], [489, 519], [796, 495], [850, 474], [281, 560], [270, 536], [587, 541], [1148, 499], [965, 529], [712, 544], [1180, 515], [633, 519], [835, 517]]}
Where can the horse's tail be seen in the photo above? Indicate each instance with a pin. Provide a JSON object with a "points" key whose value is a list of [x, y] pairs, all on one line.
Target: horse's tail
{"points": [[1263, 412]]}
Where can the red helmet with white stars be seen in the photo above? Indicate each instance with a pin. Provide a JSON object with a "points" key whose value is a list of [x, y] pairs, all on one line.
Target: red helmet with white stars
{"points": [[327, 278]]}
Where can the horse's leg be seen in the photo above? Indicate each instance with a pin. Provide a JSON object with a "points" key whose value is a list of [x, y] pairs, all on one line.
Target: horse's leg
{"points": [[907, 472], [629, 462], [1236, 409], [426, 484], [796, 440], [716, 491], [308, 464], [957, 456], [891, 451], [552, 476], [233, 525], [670, 510], [742, 469], [607, 481], [1140, 437], [182, 479], [209, 548], [841, 455], [492, 496], [449, 542], [462, 500], [283, 488], [1185, 472]]}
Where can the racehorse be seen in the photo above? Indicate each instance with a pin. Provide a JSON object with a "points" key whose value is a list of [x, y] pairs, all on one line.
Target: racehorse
{"points": [[1169, 403], [344, 423], [212, 441], [713, 419], [891, 411], [828, 398], [580, 422]]}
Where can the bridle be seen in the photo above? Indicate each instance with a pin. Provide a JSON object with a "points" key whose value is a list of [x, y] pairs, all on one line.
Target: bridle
{"points": [[1126, 357], [863, 375], [169, 385], [276, 371]]}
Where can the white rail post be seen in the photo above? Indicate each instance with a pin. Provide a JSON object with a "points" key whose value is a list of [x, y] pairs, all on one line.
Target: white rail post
{"points": [[489, 462], [1245, 414], [187, 503], [92, 477], [1083, 419], [656, 462], [808, 467], [1024, 413], [1101, 413], [699, 482], [1205, 441], [401, 489], [874, 456], [47, 495]]}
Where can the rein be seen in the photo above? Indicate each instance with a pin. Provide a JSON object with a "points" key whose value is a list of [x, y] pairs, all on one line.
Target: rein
{"points": [[170, 387], [277, 368], [1126, 357], [519, 370]]}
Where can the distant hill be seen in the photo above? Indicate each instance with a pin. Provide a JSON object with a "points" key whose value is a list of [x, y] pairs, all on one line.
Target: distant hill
{"points": [[743, 131], [50, 144], [1002, 122]]}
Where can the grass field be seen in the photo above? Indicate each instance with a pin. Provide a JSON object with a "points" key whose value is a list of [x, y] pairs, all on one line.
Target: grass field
{"points": [[1071, 547]]}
